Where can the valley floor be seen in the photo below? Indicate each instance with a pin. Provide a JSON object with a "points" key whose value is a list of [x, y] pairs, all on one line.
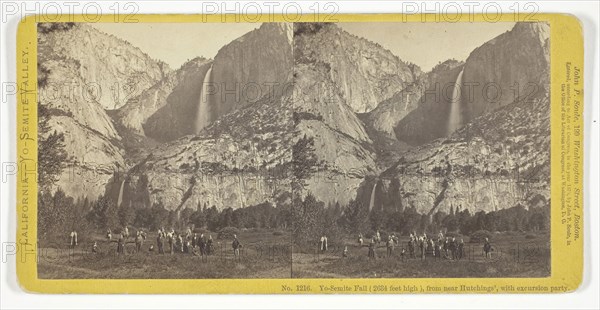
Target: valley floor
{"points": [[267, 255], [514, 256]]}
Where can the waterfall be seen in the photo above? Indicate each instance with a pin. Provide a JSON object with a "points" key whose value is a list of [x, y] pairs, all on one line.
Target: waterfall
{"points": [[202, 114], [454, 118], [372, 201], [120, 199]]}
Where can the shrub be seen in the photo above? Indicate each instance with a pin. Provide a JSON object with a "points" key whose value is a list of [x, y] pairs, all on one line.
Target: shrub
{"points": [[227, 232], [479, 236]]}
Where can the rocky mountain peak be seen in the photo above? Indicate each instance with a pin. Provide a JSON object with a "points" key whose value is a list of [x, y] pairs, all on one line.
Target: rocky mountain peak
{"points": [[365, 72], [104, 60], [517, 57], [541, 31], [285, 29]]}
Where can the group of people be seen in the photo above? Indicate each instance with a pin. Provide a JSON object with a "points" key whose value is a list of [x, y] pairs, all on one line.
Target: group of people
{"points": [[421, 246], [170, 242], [442, 247], [122, 237], [183, 243], [391, 242]]}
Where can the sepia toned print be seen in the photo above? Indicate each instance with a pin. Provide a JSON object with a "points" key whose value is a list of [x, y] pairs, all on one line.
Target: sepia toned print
{"points": [[294, 150]]}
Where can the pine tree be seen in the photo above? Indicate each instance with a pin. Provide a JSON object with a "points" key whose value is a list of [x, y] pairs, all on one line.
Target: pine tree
{"points": [[304, 161], [52, 156]]}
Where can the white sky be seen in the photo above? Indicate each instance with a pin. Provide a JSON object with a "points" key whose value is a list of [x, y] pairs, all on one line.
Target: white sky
{"points": [[425, 44], [175, 43]]}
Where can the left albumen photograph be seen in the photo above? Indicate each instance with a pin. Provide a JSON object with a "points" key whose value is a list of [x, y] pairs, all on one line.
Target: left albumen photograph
{"points": [[164, 150]]}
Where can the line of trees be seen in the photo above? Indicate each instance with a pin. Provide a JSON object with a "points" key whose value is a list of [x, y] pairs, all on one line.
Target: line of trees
{"points": [[307, 218], [58, 214], [312, 219]]}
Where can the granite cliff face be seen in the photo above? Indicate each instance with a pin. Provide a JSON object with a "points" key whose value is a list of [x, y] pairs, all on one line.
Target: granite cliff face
{"points": [[178, 113], [428, 91], [497, 161], [499, 155], [517, 64], [242, 159], [65, 65], [112, 69], [325, 109], [364, 72], [428, 120], [265, 91], [243, 72], [251, 67], [517, 59], [341, 143], [177, 93]]}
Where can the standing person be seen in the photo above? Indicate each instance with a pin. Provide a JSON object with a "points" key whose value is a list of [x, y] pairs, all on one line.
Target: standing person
{"points": [[372, 254], [461, 249], [202, 245], [411, 247], [126, 232], [487, 248], [360, 240], [188, 245], [345, 253], [95, 247], [440, 235], [180, 242], [321, 241], [452, 247], [171, 243], [446, 243], [73, 242], [437, 249], [325, 244], [139, 241], [121, 244], [159, 243], [109, 235], [431, 247], [390, 246], [209, 245], [378, 237], [422, 247], [195, 240], [236, 245]]}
